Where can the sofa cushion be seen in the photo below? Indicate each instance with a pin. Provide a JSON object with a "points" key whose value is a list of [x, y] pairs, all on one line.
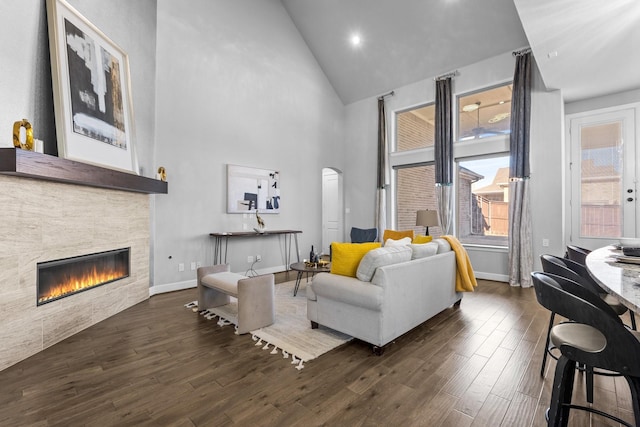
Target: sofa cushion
{"points": [[396, 235], [345, 257], [422, 239], [423, 250], [400, 242], [381, 257], [225, 281]]}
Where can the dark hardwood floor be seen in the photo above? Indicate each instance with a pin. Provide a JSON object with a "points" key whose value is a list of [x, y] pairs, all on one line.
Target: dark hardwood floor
{"points": [[160, 364]]}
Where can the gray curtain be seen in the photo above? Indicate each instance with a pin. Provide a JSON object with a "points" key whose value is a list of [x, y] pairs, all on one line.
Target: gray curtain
{"points": [[382, 181], [520, 245], [444, 154]]}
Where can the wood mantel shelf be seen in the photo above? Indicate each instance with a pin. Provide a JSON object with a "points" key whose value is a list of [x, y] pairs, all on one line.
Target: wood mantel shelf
{"points": [[29, 164]]}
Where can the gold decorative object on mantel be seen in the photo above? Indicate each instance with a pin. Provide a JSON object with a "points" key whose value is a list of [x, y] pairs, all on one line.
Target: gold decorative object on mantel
{"points": [[28, 143], [162, 174]]}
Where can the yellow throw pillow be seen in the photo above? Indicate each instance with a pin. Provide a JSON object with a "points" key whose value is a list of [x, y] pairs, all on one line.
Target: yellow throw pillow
{"points": [[397, 235], [345, 257], [419, 239]]}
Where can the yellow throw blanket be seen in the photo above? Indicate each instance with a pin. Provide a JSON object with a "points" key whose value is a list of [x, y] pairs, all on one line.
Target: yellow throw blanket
{"points": [[465, 279]]}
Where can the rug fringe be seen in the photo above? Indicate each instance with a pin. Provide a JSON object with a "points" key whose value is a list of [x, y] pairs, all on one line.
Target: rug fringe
{"points": [[209, 315], [299, 362]]}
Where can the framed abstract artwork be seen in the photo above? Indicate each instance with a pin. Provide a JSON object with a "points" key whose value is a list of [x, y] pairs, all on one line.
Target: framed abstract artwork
{"points": [[91, 90], [250, 189]]}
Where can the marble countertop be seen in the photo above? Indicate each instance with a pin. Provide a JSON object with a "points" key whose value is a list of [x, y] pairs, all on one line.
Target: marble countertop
{"points": [[620, 279]]}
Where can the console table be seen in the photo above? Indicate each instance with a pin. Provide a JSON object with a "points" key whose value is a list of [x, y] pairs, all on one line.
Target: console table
{"points": [[219, 238]]}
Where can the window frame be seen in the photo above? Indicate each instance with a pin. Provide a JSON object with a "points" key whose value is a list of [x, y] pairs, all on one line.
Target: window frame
{"points": [[472, 149], [394, 146]]}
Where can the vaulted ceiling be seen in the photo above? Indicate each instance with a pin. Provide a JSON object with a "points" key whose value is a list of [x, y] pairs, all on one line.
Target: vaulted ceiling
{"points": [[404, 41]]}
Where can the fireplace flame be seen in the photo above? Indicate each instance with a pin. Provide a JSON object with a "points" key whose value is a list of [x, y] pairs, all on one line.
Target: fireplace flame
{"points": [[81, 281]]}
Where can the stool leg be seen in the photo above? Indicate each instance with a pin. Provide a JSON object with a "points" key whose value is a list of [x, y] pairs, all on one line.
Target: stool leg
{"points": [[546, 344], [298, 278], [589, 380], [634, 385], [561, 392]]}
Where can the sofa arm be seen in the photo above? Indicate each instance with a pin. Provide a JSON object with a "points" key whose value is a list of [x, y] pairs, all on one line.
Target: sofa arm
{"points": [[348, 290], [256, 307], [219, 268]]}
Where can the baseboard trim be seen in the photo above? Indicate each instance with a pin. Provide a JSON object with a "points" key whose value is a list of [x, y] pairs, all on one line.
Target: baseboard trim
{"points": [[188, 284], [492, 276], [171, 287]]}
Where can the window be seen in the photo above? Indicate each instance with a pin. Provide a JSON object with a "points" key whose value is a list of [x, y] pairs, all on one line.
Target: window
{"points": [[482, 177], [415, 191], [483, 201], [415, 128], [485, 114]]}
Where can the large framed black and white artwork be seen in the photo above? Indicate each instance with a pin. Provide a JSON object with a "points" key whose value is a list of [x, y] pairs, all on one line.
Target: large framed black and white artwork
{"points": [[91, 90], [250, 189]]}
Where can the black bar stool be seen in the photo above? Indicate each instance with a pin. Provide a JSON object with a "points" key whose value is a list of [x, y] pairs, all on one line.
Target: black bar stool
{"points": [[601, 342]]}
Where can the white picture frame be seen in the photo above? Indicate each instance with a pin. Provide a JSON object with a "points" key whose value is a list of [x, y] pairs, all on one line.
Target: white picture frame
{"points": [[91, 91], [250, 189]]}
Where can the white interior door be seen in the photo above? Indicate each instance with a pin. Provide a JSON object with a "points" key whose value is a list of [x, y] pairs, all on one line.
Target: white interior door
{"points": [[603, 177], [331, 208]]}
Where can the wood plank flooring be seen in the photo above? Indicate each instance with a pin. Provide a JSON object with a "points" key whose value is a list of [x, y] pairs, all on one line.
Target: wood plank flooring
{"points": [[160, 364]]}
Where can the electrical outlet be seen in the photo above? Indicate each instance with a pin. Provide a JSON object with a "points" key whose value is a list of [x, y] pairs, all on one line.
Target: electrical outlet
{"points": [[250, 258], [193, 265], [545, 243], [258, 258], [198, 264], [181, 266]]}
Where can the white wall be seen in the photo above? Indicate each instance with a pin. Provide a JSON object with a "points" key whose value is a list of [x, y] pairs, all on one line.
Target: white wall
{"points": [[236, 84], [546, 151], [612, 100]]}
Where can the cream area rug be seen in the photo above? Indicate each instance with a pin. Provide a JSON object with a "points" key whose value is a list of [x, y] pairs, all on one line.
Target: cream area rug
{"points": [[291, 335]]}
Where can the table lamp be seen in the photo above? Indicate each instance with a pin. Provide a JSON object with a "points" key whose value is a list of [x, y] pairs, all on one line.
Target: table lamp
{"points": [[427, 218]]}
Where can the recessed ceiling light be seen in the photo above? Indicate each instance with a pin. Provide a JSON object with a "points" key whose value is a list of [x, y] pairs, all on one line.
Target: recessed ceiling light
{"points": [[356, 40]]}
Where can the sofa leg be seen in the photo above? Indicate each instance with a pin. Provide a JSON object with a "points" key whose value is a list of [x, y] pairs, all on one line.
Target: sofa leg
{"points": [[314, 325], [457, 303], [378, 351]]}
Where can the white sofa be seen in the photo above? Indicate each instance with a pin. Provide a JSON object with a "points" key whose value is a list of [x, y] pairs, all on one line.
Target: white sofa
{"points": [[399, 297]]}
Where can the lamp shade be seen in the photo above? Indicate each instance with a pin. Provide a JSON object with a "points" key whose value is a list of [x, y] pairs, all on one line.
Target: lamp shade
{"points": [[427, 218]]}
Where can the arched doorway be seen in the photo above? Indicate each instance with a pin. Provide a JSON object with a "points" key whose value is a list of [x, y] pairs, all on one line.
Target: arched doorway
{"points": [[332, 208]]}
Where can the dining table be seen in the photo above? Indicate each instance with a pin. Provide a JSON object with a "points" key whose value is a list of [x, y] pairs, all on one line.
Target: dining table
{"points": [[616, 273]]}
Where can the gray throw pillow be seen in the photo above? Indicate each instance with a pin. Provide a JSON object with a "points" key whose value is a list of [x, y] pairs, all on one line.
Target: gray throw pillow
{"points": [[423, 250], [380, 257]]}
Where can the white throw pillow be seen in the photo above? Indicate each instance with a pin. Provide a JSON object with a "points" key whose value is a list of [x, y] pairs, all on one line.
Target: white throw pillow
{"points": [[380, 257], [443, 245], [423, 250], [400, 242]]}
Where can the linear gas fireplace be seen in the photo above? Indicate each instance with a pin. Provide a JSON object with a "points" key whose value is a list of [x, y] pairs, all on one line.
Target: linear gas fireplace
{"points": [[64, 277]]}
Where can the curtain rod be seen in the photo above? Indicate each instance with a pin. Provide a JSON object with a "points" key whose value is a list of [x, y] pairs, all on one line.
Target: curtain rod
{"points": [[386, 94], [446, 76], [523, 51]]}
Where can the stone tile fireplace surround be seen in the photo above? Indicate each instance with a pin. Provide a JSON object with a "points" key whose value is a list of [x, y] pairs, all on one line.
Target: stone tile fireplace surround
{"points": [[42, 221]]}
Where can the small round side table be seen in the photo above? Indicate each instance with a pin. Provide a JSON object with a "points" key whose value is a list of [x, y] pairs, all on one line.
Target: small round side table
{"points": [[302, 268]]}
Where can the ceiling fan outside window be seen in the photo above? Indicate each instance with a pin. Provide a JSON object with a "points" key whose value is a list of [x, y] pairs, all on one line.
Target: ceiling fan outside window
{"points": [[484, 114]]}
